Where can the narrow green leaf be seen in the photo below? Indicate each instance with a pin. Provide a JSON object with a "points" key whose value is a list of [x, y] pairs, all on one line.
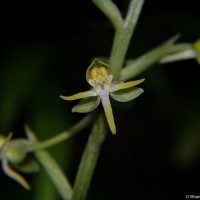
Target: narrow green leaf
{"points": [[126, 94], [87, 105]]}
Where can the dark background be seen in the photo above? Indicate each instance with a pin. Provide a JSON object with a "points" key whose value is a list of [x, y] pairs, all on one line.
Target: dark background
{"points": [[45, 49]]}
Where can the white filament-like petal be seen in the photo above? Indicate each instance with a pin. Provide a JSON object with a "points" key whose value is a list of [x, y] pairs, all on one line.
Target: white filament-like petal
{"points": [[108, 110]]}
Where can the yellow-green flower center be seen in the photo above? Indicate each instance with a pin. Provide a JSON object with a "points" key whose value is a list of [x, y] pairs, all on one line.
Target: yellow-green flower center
{"points": [[100, 79]]}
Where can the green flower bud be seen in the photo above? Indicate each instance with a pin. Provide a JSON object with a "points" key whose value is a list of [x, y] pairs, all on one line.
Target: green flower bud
{"points": [[17, 150]]}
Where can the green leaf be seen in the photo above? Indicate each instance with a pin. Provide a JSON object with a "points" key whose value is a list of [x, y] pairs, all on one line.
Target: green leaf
{"points": [[87, 105], [126, 94]]}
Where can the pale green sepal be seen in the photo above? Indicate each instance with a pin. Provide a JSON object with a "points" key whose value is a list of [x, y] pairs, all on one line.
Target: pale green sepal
{"points": [[123, 85], [80, 95], [126, 94], [87, 105], [29, 165]]}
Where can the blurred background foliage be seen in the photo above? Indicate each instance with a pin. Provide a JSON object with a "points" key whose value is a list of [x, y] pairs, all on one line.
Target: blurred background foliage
{"points": [[45, 49]]}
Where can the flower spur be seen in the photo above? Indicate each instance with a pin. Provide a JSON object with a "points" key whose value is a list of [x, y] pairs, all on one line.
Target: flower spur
{"points": [[99, 75]]}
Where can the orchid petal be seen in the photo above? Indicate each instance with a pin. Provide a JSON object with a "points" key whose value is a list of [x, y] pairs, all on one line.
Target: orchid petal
{"points": [[108, 111], [127, 94], [129, 84], [97, 64], [80, 95], [87, 105], [14, 175]]}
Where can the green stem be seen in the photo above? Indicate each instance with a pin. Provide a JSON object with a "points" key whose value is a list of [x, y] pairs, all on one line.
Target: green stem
{"points": [[111, 11], [89, 159], [123, 36], [52, 169], [124, 30], [64, 135], [56, 175], [142, 63]]}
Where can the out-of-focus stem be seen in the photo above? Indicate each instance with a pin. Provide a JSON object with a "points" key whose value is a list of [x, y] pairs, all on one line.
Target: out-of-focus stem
{"points": [[89, 159]]}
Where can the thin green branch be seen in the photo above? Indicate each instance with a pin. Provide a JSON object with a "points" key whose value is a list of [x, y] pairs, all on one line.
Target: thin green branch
{"points": [[64, 135], [55, 174], [52, 169], [133, 14], [123, 36], [89, 159], [143, 62], [111, 11]]}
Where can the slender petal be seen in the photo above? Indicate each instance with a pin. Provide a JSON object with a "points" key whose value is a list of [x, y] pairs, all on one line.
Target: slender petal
{"points": [[108, 110], [126, 85], [80, 95], [14, 175]]}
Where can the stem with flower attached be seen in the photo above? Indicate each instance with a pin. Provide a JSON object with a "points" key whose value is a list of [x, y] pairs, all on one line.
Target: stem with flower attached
{"points": [[124, 30]]}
